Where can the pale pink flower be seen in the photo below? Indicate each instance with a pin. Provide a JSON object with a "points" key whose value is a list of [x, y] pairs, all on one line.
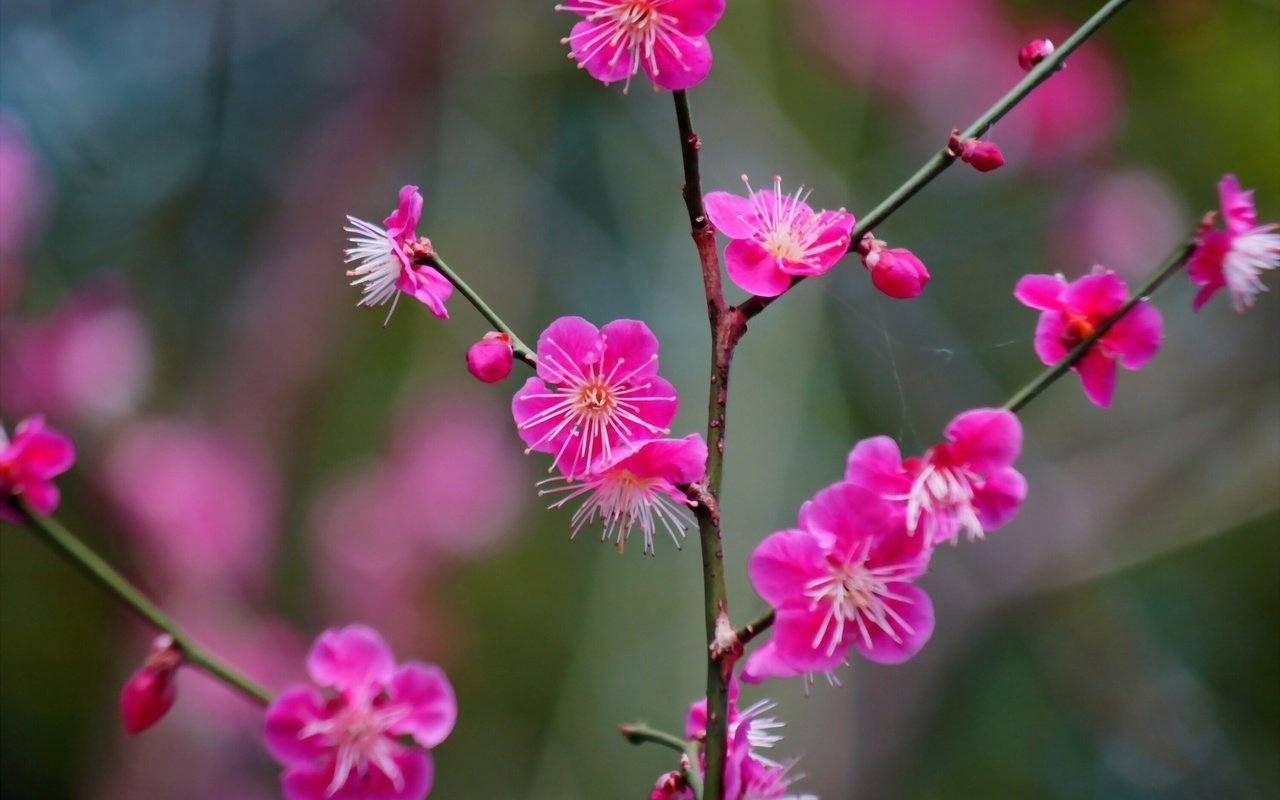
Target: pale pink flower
{"points": [[1033, 52], [895, 271], [776, 236], [490, 359], [965, 483], [149, 693], [665, 38], [385, 257], [843, 577], [349, 746], [28, 464], [604, 394], [1073, 311], [1236, 256]]}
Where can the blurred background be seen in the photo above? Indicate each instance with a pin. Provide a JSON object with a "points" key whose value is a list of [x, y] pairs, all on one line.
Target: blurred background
{"points": [[269, 461]]}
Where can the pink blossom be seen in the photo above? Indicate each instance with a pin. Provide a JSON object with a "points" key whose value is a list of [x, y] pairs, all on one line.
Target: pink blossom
{"points": [[895, 271], [981, 155], [349, 745], [1073, 311], [671, 786], [28, 464], [386, 266], [965, 483], [601, 393], [1237, 255], [149, 693], [842, 577], [1118, 218], [666, 38], [776, 236], [490, 359], [1033, 52]]}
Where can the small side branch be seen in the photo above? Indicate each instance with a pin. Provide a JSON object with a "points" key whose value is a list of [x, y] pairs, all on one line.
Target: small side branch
{"points": [[755, 627], [518, 347], [639, 733]]}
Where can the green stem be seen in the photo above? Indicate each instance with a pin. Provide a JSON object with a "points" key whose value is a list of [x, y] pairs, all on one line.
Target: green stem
{"points": [[755, 627], [639, 733], [518, 347], [114, 583]]}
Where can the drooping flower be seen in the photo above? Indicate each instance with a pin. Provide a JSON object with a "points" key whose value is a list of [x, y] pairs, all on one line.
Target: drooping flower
{"points": [[895, 271], [639, 488], [1237, 255], [597, 393], [776, 236], [149, 693], [1033, 52], [490, 359], [1073, 311], [665, 38], [28, 464], [385, 259], [350, 746], [982, 155], [843, 577], [965, 483]]}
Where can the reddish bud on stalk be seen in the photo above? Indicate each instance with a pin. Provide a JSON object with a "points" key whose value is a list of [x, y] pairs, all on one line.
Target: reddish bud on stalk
{"points": [[670, 786], [895, 271], [982, 156], [149, 693], [490, 358], [1033, 52]]}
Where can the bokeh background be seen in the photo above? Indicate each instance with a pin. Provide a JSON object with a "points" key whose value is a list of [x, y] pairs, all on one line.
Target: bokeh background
{"points": [[269, 461]]}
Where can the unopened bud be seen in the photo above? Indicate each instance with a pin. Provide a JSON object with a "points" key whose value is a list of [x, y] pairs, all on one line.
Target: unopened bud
{"points": [[149, 693], [670, 786], [982, 156], [896, 271], [1033, 52], [490, 358]]}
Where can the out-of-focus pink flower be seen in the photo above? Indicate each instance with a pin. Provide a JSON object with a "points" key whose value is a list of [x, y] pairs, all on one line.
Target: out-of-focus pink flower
{"points": [[385, 259], [1073, 311], [149, 693], [87, 360], [604, 393], [776, 236], [1237, 255], [895, 271], [637, 489], [1118, 218], [490, 359], [665, 38], [28, 464], [981, 155], [348, 746], [1033, 52], [23, 197], [965, 483], [842, 577], [670, 786]]}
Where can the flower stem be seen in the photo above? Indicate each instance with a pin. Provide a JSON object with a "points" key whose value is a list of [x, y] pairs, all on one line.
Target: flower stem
{"points": [[106, 576], [518, 347], [941, 160], [1161, 273], [639, 733]]}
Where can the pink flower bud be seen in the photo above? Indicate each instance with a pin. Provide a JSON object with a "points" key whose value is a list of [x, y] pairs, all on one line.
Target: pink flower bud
{"points": [[149, 693], [897, 272], [1033, 52], [670, 786], [490, 358], [983, 156]]}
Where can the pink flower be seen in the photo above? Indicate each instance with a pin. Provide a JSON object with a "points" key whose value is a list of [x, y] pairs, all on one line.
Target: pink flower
{"points": [[776, 236], [843, 577], [965, 483], [640, 488], [1073, 311], [895, 271], [490, 359], [1033, 52], [981, 155], [28, 464], [604, 393], [349, 746], [1234, 257], [617, 38], [149, 693], [386, 259]]}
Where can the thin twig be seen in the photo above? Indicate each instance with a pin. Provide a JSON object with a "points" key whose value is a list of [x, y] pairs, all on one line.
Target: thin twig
{"points": [[518, 347]]}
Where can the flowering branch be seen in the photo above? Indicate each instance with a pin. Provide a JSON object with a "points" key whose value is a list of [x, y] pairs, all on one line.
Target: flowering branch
{"points": [[114, 583], [944, 158], [518, 347]]}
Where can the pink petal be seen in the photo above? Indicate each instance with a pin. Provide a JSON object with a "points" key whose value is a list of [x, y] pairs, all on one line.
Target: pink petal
{"points": [[41, 495], [426, 690], [783, 563], [876, 463], [1204, 294], [1136, 336], [766, 662], [987, 439], [730, 214], [1100, 293], [604, 60], [568, 343], [851, 514], [1098, 375], [400, 223], [681, 63], [916, 611], [1238, 213], [795, 631], [428, 286], [836, 227], [353, 659], [675, 460], [631, 342], [754, 269], [416, 772], [46, 453], [1048, 342], [998, 498], [287, 715], [1205, 265], [695, 17], [1040, 291]]}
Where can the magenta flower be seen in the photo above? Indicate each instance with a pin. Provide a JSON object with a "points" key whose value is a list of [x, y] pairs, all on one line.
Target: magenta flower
{"points": [[965, 483], [386, 259], [895, 271], [1234, 257], [601, 393], [641, 488], [149, 693], [350, 746], [665, 38], [843, 577], [1033, 52], [1073, 311], [776, 236], [28, 464]]}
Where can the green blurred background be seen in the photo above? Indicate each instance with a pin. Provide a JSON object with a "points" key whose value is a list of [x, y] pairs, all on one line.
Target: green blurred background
{"points": [[1117, 639]]}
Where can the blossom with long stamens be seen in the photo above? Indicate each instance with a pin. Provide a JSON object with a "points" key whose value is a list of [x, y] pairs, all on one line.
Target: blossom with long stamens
{"points": [[385, 266], [597, 394], [965, 483], [28, 464], [1234, 257], [640, 488], [666, 38], [353, 746], [776, 236]]}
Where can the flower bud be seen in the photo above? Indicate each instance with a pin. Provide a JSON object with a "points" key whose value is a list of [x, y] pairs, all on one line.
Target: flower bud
{"points": [[149, 693], [670, 786], [490, 358], [982, 156], [896, 271], [1033, 52]]}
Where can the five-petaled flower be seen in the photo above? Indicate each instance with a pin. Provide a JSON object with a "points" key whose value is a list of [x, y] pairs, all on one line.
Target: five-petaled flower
{"points": [[1073, 311], [353, 746], [1236, 256], [665, 38], [776, 236], [597, 394], [28, 464], [386, 265]]}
